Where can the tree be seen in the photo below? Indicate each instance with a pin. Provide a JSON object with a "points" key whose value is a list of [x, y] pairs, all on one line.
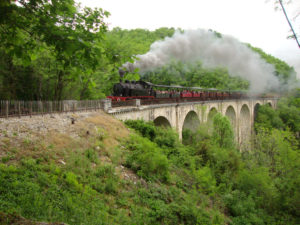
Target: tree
{"points": [[281, 4], [71, 34], [292, 29], [222, 131], [267, 118]]}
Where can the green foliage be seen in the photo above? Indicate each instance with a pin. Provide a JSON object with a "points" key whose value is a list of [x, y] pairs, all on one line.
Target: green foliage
{"points": [[92, 155], [194, 75], [205, 181], [222, 131], [128, 43], [168, 205], [188, 137], [268, 118], [45, 193], [289, 112], [243, 210], [56, 45], [146, 159], [273, 161], [285, 117], [145, 129], [164, 138]]}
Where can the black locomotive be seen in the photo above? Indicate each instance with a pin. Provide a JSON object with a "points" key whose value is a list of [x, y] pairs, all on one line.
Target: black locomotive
{"points": [[132, 89]]}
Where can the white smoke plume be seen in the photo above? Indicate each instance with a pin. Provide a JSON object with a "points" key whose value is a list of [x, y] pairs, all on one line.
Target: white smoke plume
{"points": [[203, 45]]}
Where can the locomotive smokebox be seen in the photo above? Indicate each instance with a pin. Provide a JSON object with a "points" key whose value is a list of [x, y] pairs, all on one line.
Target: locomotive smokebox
{"points": [[122, 72]]}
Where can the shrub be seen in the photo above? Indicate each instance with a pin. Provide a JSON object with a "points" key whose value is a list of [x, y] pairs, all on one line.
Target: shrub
{"points": [[39, 192], [163, 137], [222, 131], [146, 129], [147, 159], [267, 118], [166, 138], [205, 181], [92, 155]]}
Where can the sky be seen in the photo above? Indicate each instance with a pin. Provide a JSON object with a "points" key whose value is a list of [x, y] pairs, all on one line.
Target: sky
{"points": [[250, 21]]}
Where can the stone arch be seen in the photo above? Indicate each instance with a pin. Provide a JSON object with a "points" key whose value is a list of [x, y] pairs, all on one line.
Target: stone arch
{"points": [[212, 112], [255, 111], [162, 121], [231, 115], [191, 121], [269, 104], [245, 126]]}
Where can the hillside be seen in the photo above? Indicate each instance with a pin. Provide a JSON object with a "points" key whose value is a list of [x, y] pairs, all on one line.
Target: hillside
{"points": [[57, 131], [84, 173], [53, 149], [98, 171]]}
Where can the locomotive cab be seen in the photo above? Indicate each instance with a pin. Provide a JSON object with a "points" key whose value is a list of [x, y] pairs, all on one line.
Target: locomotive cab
{"points": [[133, 89]]}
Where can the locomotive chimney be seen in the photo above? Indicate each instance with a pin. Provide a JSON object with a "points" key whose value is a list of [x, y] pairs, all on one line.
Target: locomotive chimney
{"points": [[122, 72]]}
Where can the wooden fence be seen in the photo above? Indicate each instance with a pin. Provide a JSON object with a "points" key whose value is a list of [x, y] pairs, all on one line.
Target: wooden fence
{"points": [[28, 108]]}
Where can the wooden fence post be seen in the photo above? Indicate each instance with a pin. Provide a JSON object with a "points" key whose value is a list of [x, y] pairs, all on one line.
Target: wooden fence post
{"points": [[42, 108], [19, 109], [30, 108], [50, 107], [6, 108], [38, 107]]}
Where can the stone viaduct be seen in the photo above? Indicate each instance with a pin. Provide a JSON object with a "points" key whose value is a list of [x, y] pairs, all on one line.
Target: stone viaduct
{"points": [[189, 115]]}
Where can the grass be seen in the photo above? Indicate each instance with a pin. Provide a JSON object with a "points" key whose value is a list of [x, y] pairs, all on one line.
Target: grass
{"points": [[115, 176], [82, 178], [61, 177]]}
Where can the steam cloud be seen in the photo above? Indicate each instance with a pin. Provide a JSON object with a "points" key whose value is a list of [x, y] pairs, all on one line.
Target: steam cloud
{"points": [[203, 45]]}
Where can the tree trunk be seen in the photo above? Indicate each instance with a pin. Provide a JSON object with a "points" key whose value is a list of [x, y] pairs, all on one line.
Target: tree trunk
{"points": [[59, 86], [84, 89]]}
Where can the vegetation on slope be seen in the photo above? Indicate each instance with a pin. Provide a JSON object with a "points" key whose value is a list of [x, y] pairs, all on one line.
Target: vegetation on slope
{"points": [[149, 177], [285, 117]]}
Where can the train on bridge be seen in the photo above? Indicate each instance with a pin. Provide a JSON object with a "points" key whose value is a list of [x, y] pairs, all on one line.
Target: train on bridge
{"points": [[129, 90]]}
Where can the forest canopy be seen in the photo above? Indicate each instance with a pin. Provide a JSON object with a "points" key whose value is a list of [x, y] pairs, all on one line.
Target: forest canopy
{"points": [[55, 50]]}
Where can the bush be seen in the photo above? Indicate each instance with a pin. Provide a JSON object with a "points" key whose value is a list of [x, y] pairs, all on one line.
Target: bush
{"points": [[147, 159], [188, 137], [146, 129], [92, 155], [267, 118], [163, 137], [166, 138], [222, 131], [205, 180], [39, 192]]}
